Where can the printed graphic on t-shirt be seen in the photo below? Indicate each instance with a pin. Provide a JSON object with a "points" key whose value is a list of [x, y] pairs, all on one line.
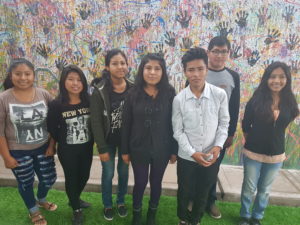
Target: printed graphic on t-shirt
{"points": [[116, 117], [29, 122], [78, 130]]}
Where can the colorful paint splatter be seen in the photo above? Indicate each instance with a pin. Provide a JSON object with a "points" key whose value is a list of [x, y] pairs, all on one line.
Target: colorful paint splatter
{"points": [[53, 33]]}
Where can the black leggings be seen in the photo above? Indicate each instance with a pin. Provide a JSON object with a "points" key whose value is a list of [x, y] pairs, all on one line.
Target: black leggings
{"points": [[76, 163], [141, 176]]}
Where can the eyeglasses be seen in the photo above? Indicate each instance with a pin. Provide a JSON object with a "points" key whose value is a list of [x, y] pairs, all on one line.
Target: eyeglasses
{"points": [[222, 53]]}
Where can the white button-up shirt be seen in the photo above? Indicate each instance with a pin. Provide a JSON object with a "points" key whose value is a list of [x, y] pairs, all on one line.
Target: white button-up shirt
{"points": [[200, 123]]}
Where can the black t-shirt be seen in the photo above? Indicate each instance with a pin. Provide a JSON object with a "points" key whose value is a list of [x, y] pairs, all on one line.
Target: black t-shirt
{"points": [[69, 124], [116, 106]]}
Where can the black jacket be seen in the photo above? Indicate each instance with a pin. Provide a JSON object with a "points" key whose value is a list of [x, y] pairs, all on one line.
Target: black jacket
{"points": [[147, 132]]}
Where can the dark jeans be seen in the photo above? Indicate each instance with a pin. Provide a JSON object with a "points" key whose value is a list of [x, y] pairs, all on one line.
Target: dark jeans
{"points": [[76, 163], [108, 170], [193, 180], [141, 176], [212, 196], [30, 162]]}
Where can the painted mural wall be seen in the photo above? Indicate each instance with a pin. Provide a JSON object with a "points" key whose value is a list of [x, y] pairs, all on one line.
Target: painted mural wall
{"points": [[53, 33]]}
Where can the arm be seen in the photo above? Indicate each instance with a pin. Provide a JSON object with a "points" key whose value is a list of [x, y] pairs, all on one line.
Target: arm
{"points": [[9, 161], [126, 129], [248, 119], [53, 120], [51, 150], [174, 145], [97, 123]]}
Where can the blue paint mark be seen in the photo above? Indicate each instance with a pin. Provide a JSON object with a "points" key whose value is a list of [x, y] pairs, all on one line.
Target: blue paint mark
{"points": [[161, 22]]}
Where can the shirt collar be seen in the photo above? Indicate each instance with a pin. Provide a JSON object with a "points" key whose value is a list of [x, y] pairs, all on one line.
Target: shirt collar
{"points": [[205, 93]]}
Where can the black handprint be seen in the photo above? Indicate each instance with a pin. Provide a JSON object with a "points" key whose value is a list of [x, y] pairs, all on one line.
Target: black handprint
{"points": [[223, 29], [170, 36], [128, 25], [46, 23], [43, 50], [242, 18], [69, 22], [234, 52], [289, 13], [32, 8], [142, 50], [267, 63], [292, 42], [263, 16], [94, 69], [77, 60], [272, 36], [252, 60], [147, 20], [61, 63], [83, 11], [159, 49], [211, 11], [295, 66], [183, 18], [186, 44], [94, 47]]}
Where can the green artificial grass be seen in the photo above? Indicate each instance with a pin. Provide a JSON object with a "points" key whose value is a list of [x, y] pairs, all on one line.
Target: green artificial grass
{"points": [[13, 211]]}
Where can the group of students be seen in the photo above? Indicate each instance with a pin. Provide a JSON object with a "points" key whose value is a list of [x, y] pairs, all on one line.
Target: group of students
{"points": [[147, 124]]}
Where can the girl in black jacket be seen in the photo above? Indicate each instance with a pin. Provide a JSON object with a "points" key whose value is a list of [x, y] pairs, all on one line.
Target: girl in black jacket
{"points": [[147, 135], [69, 124]]}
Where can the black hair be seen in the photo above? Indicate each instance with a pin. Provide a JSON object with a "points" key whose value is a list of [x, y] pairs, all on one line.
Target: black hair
{"points": [[218, 41], [262, 99], [192, 54], [63, 96], [14, 63], [163, 85], [105, 73]]}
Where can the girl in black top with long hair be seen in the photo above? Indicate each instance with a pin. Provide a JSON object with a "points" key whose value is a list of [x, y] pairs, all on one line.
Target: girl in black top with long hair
{"points": [[147, 135], [270, 110], [69, 125]]}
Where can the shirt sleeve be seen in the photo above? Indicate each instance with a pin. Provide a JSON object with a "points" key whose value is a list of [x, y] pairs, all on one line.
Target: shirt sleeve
{"points": [[223, 121], [53, 120], [126, 126], [248, 118], [179, 134]]}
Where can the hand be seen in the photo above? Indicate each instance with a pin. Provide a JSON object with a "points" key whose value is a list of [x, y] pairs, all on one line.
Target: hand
{"points": [[228, 142], [126, 158], [215, 151], [104, 157], [10, 162], [173, 159], [50, 151], [199, 157]]}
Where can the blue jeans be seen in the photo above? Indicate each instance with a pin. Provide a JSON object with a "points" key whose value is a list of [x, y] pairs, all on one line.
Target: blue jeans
{"points": [[108, 169], [258, 176], [30, 162]]}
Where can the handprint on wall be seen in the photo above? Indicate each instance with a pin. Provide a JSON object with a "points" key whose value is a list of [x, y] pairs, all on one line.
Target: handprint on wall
{"points": [[184, 18], [289, 13], [43, 50], [128, 25], [292, 42], [95, 47], [159, 49], [32, 8], [211, 11], [147, 21], [253, 58], [186, 44], [224, 29], [46, 23], [69, 22], [83, 10], [61, 63], [170, 38], [273, 35], [234, 52], [263, 16], [242, 18]]}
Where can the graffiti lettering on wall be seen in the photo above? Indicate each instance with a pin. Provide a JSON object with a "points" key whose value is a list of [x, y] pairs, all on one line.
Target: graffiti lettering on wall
{"points": [[54, 33]]}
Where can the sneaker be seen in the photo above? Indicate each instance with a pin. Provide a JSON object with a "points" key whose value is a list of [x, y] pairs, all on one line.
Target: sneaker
{"points": [[244, 221], [214, 212], [108, 214], [182, 222], [122, 210], [77, 217], [255, 222]]}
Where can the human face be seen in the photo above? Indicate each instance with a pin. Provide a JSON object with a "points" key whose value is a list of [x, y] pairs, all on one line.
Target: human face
{"points": [[117, 67], [73, 84], [152, 73], [217, 57], [22, 77], [196, 71], [277, 80]]}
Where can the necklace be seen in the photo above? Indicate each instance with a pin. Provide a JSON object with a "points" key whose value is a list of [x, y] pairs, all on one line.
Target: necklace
{"points": [[22, 97]]}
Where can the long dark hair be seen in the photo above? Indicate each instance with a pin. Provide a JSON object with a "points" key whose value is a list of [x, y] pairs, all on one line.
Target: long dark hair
{"points": [[14, 63], [163, 85], [111, 53], [63, 96], [262, 99]]}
